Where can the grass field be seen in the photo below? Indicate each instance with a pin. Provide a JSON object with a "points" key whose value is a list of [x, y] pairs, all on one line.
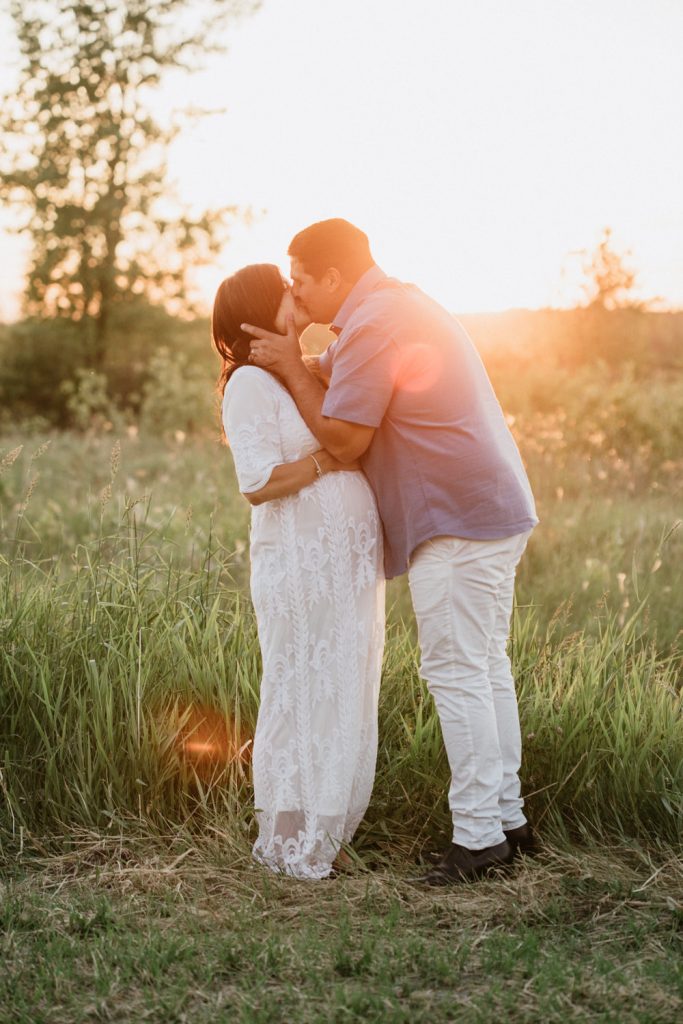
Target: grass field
{"points": [[128, 892], [115, 930]]}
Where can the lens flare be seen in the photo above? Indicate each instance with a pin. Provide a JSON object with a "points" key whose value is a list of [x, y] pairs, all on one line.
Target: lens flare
{"points": [[421, 368], [211, 737]]}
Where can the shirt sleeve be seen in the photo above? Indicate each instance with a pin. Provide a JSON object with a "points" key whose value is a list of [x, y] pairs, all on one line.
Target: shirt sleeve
{"points": [[363, 374], [250, 419]]}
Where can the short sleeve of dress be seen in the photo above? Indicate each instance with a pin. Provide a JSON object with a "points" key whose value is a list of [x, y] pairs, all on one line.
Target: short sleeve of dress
{"points": [[250, 419], [364, 367]]}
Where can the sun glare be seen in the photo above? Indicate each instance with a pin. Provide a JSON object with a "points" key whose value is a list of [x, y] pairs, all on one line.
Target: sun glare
{"points": [[479, 145]]}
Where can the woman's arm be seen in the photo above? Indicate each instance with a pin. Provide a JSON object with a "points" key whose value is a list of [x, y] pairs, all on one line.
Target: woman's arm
{"points": [[291, 477]]}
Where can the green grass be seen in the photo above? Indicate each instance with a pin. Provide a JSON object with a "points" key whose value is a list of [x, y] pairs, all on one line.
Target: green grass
{"points": [[115, 931], [105, 671], [128, 890], [603, 451], [120, 629]]}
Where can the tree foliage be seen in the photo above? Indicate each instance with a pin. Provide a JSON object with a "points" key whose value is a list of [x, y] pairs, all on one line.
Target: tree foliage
{"points": [[610, 279], [85, 157]]}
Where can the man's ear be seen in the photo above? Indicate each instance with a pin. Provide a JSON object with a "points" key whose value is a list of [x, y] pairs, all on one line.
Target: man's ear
{"points": [[333, 279]]}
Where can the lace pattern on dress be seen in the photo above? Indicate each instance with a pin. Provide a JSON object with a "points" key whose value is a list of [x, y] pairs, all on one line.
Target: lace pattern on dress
{"points": [[318, 591]]}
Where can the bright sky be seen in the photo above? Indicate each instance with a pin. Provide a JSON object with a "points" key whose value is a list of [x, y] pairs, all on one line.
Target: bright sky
{"points": [[480, 143]]}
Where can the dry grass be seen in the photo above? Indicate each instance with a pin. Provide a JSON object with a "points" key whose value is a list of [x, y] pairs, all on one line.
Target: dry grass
{"points": [[166, 930]]}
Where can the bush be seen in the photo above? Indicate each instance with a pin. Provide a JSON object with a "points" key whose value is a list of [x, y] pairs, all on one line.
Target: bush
{"points": [[46, 369], [177, 395], [139, 331], [87, 401], [38, 356]]}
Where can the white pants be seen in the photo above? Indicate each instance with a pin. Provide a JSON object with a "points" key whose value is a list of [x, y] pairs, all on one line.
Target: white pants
{"points": [[462, 593]]}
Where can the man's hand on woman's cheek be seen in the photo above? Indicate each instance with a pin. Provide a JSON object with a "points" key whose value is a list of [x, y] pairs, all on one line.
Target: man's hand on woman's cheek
{"points": [[276, 352]]}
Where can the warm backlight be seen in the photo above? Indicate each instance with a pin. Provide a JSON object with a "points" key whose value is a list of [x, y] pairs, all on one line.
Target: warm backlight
{"points": [[208, 735]]}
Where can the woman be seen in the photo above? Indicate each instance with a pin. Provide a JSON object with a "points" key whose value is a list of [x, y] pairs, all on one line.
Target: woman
{"points": [[317, 586]]}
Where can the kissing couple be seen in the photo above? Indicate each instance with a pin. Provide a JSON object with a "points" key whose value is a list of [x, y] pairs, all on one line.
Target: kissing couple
{"points": [[388, 453]]}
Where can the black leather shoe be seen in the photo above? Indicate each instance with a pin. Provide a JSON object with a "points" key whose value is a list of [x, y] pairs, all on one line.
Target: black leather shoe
{"points": [[522, 840], [459, 864]]}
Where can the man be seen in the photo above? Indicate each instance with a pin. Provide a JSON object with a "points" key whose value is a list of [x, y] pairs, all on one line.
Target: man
{"points": [[409, 396]]}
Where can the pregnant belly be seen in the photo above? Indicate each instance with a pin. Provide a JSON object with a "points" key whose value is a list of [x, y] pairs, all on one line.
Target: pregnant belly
{"points": [[338, 497], [309, 549]]}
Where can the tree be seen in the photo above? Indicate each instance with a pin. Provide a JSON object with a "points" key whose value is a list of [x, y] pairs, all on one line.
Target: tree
{"points": [[85, 158], [610, 280]]}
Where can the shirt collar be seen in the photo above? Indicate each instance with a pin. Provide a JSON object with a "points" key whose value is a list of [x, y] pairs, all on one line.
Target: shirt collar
{"points": [[361, 289]]}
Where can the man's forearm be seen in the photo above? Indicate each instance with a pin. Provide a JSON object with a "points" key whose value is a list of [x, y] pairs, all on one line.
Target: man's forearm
{"points": [[346, 441], [309, 393], [312, 364]]}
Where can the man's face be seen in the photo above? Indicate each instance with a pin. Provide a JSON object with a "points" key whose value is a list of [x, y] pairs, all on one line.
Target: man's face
{"points": [[318, 300]]}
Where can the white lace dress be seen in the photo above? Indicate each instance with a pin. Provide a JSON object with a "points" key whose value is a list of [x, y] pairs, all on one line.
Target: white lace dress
{"points": [[317, 585]]}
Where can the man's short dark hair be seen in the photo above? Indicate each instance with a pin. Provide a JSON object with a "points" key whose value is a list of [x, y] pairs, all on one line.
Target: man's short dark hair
{"points": [[332, 243]]}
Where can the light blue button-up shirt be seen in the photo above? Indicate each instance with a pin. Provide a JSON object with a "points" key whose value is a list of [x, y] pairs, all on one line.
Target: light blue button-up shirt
{"points": [[442, 461]]}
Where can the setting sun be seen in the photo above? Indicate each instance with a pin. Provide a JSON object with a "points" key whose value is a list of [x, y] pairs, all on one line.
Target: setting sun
{"points": [[481, 146]]}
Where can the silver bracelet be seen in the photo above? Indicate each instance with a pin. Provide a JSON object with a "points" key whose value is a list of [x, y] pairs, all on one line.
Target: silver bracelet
{"points": [[318, 470]]}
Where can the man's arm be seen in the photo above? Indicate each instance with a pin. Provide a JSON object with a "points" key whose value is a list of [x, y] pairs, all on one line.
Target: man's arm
{"points": [[314, 367], [346, 441], [282, 355]]}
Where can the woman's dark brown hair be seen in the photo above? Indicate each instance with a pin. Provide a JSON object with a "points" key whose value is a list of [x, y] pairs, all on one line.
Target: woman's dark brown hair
{"points": [[251, 296]]}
